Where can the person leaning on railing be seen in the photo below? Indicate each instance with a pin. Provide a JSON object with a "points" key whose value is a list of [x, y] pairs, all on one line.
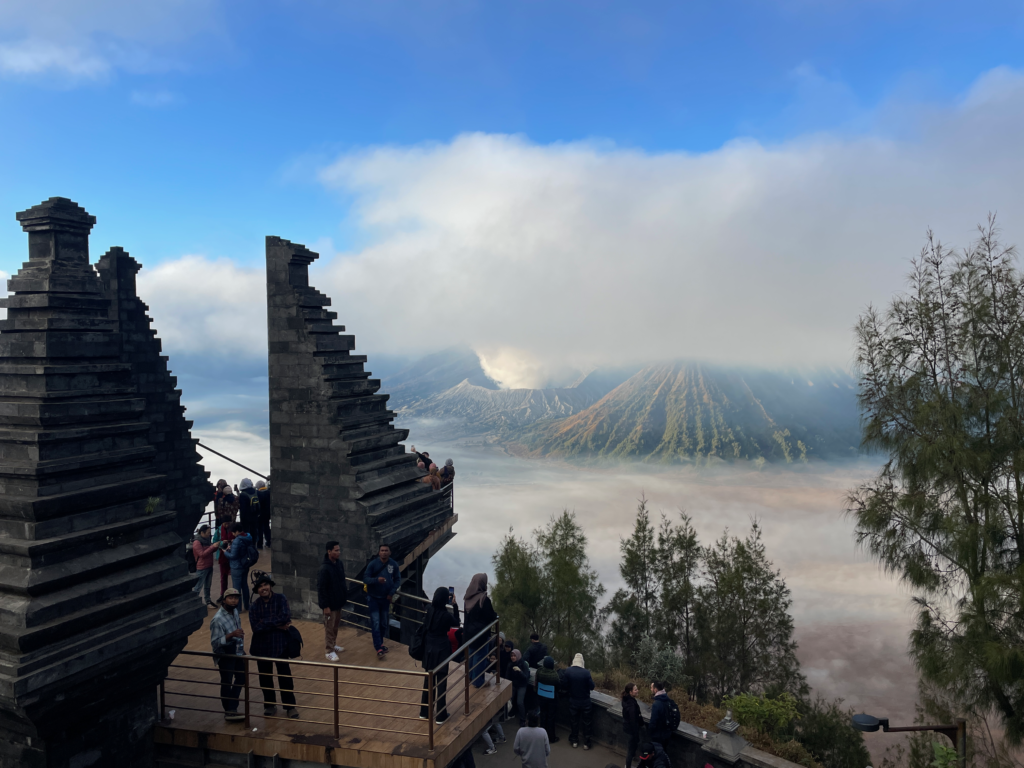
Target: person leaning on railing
{"points": [[227, 640], [437, 648]]}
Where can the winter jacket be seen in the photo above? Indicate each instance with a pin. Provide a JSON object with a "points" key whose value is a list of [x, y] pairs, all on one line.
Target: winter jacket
{"points": [[548, 677], [579, 682], [204, 554], [477, 619], [535, 654], [505, 659], [263, 494], [436, 646], [239, 547], [659, 729], [392, 578], [632, 720], [519, 673], [331, 587], [246, 514], [658, 760]]}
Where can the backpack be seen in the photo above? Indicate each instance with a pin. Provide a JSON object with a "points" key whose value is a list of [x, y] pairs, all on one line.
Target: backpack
{"points": [[673, 718], [418, 646], [293, 644], [254, 505], [252, 556]]}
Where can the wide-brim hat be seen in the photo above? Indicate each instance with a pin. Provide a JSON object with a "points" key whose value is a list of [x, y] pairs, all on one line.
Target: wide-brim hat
{"points": [[264, 578]]}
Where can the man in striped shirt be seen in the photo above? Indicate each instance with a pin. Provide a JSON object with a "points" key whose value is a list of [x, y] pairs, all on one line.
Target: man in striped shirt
{"points": [[227, 639]]}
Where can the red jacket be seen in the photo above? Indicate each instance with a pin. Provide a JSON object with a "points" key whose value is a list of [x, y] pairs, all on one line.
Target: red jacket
{"points": [[203, 553]]}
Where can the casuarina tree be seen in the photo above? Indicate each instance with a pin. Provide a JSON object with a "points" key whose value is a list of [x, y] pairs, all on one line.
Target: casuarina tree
{"points": [[942, 394]]}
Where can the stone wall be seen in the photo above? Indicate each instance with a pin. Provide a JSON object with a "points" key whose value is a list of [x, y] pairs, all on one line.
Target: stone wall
{"points": [[691, 747], [337, 466], [95, 600]]}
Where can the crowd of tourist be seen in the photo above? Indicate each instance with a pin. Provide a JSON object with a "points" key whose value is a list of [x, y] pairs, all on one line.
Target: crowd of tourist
{"points": [[537, 684], [241, 528], [437, 478]]}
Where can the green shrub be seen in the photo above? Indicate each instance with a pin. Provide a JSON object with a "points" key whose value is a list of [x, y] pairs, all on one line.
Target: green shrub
{"points": [[770, 716], [656, 661]]}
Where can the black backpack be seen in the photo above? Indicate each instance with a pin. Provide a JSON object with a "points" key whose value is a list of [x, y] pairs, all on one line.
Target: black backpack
{"points": [[674, 718], [252, 555], [418, 645], [293, 644]]}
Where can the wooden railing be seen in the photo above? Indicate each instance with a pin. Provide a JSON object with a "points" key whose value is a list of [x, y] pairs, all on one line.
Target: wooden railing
{"points": [[339, 709]]}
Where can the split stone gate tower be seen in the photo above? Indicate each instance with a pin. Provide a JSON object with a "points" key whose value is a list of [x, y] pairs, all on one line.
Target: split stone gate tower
{"points": [[99, 481]]}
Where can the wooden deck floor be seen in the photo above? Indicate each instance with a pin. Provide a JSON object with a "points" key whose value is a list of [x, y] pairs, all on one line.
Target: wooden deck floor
{"points": [[384, 732]]}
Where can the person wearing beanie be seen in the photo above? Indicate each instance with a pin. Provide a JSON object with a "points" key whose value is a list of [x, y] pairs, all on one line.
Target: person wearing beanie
{"points": [[447, 473], [653, 756], [547, 696], [519, 673], [248, 508], [227, 640], [579, 683], [536, 652]]}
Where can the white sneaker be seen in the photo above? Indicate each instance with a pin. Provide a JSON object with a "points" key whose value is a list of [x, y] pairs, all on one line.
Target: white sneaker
{"points": [[490, 751], [338, 649], [332, 656]]}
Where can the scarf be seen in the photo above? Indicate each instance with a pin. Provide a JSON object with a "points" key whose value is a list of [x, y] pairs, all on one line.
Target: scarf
{"points": [[476, 593]]}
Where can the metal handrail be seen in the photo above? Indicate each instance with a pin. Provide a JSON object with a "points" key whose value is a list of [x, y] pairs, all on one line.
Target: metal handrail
{"points": [[362, 583], [325, 665], [466, 643]]}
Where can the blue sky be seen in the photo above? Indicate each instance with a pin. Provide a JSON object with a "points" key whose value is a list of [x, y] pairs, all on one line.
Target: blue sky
{"points": [[197, 127]]}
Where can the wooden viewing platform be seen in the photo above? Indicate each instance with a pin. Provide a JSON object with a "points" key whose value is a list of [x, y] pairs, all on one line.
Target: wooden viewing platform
{"points": [[379, 731]]}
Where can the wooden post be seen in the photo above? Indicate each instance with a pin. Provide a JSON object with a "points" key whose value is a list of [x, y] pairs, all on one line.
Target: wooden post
{"points": [[246, 660], [430, 710], [337, 733]]}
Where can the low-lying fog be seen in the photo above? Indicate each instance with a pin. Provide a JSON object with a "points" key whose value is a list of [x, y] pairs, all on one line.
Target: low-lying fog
{"points": [[851, 620]]}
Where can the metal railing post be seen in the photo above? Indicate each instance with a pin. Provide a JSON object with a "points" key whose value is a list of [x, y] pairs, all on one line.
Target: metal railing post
{"points": [[245, 659], [497, 653], [430, 710], [467, 679], [337, 733]]}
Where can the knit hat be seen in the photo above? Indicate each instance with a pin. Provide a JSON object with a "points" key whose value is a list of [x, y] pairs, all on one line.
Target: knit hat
{"points": [[577, 660], [261, 484], [548, 662], [449, 463], [246, 483]]}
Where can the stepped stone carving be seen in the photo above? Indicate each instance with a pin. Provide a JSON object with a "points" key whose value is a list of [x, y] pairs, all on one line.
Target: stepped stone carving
{"points": [[95, 600], [338, 469]]}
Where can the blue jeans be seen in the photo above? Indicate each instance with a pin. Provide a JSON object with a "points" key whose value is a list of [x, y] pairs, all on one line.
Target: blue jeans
{"points": [[477, 665], [238, 577], [203, 581], [378, 609]]}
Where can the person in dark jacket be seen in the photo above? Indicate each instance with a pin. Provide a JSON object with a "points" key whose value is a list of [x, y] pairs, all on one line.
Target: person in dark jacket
{"points": [[659, 730], [247, 514], [263, 514], [653, 756], [536, 652], [547, 696], [437, 648], [331, 596], [580, 684], [519, 674], [270, 618], [382, 578], [479, 614], [505, 657], [632, 721]]}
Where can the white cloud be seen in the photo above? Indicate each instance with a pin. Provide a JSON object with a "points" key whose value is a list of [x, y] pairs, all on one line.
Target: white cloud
{"points": [[30, 57], [88, 41], [584, 252], [200, 305]]}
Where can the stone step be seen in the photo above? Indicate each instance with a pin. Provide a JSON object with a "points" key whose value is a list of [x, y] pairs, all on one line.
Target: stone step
{"points": [[349, 407], [351, 387], [361, 441], [333, 342], [387, 476], [384, 501], [391, 453]]}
